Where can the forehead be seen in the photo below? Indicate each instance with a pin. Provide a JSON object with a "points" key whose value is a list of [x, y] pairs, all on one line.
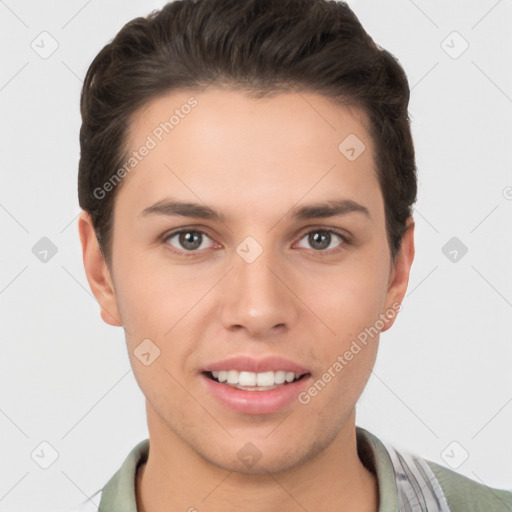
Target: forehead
{"points": [[214, 112], [220, 144]]}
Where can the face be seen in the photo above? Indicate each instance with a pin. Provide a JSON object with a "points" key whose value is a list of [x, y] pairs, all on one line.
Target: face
{"points": [[275, 286]]}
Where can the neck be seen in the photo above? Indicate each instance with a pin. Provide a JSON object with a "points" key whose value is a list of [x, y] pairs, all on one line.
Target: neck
{"points": [[175, 478]]}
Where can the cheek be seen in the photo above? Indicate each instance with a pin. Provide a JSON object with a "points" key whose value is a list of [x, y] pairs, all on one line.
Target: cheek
{"points": [[349, 304], [150, 297], [156, 303], [351, 299]]}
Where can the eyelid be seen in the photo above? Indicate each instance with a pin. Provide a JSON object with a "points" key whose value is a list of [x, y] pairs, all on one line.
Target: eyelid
{"points": [[331, 229]]}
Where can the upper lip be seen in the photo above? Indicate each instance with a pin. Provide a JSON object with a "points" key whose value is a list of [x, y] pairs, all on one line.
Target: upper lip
{"points": [[256, 365]]}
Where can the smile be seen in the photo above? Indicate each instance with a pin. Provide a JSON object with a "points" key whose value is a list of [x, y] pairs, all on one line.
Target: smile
{"points": [[251, 381]]}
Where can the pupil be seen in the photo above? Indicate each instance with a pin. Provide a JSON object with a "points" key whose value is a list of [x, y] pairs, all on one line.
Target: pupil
{"points": [[190, 240], [324, 238]]}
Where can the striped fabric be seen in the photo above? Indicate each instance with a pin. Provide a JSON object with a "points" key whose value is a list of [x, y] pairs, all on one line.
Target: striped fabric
{"points": [[418, 489]]}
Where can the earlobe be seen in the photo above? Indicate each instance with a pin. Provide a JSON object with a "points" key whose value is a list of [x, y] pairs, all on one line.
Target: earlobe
{"points": [[399, 275], [97, 272]]}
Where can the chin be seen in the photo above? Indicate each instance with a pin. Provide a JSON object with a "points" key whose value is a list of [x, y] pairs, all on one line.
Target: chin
{"points": [[263, 456]]}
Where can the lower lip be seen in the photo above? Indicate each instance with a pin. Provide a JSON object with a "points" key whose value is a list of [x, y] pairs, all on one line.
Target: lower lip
{"points": [[256, 402]]}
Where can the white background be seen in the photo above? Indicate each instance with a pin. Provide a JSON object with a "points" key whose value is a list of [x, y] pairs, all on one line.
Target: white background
{"points": [[443, 371]]}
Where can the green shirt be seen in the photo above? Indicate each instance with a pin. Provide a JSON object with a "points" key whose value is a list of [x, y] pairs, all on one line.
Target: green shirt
{"points": [[407, 483]]}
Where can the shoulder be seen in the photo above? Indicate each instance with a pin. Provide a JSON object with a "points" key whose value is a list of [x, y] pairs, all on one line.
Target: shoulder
{"points": [[466, 495], [410, 482]]}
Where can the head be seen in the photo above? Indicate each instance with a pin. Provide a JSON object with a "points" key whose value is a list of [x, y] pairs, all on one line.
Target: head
{"points": [[253, 109]]}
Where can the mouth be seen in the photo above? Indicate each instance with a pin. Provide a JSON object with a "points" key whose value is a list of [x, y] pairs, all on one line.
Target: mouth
{"points": [[252, 381], [251, 385], [255, 392]]}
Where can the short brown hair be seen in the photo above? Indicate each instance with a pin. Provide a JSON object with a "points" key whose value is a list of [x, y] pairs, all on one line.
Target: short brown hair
{"points": [[260, 46]]}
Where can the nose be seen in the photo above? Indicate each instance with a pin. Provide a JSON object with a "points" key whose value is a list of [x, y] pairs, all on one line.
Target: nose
{"points": [[258, 297]]}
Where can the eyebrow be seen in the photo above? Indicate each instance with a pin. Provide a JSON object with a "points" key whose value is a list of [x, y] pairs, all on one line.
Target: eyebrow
{"points": [[327, 209]]}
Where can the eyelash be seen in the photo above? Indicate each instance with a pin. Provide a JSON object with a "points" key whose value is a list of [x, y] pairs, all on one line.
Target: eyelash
{"points": [[345, 240]]}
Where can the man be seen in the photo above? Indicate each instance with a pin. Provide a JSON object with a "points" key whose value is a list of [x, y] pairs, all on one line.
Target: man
{"points": [[246, 176]]}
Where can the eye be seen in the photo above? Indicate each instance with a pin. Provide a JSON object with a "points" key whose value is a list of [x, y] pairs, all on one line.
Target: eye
{"points": [[188, 242], [321, 239], [191, 240]]}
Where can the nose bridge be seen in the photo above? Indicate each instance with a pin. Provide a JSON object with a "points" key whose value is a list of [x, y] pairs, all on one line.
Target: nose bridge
{"points": [[256, 298]]}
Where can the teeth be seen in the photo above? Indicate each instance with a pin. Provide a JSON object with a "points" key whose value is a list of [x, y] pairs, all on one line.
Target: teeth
{"points": [[233, 377], [264, 379], [247, 379], [279, 377], [289, 376], [250, 379]]}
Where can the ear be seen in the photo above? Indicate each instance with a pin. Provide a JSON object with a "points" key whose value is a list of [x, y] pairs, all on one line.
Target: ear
{"points": [[97, 272], [399, 274]]}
